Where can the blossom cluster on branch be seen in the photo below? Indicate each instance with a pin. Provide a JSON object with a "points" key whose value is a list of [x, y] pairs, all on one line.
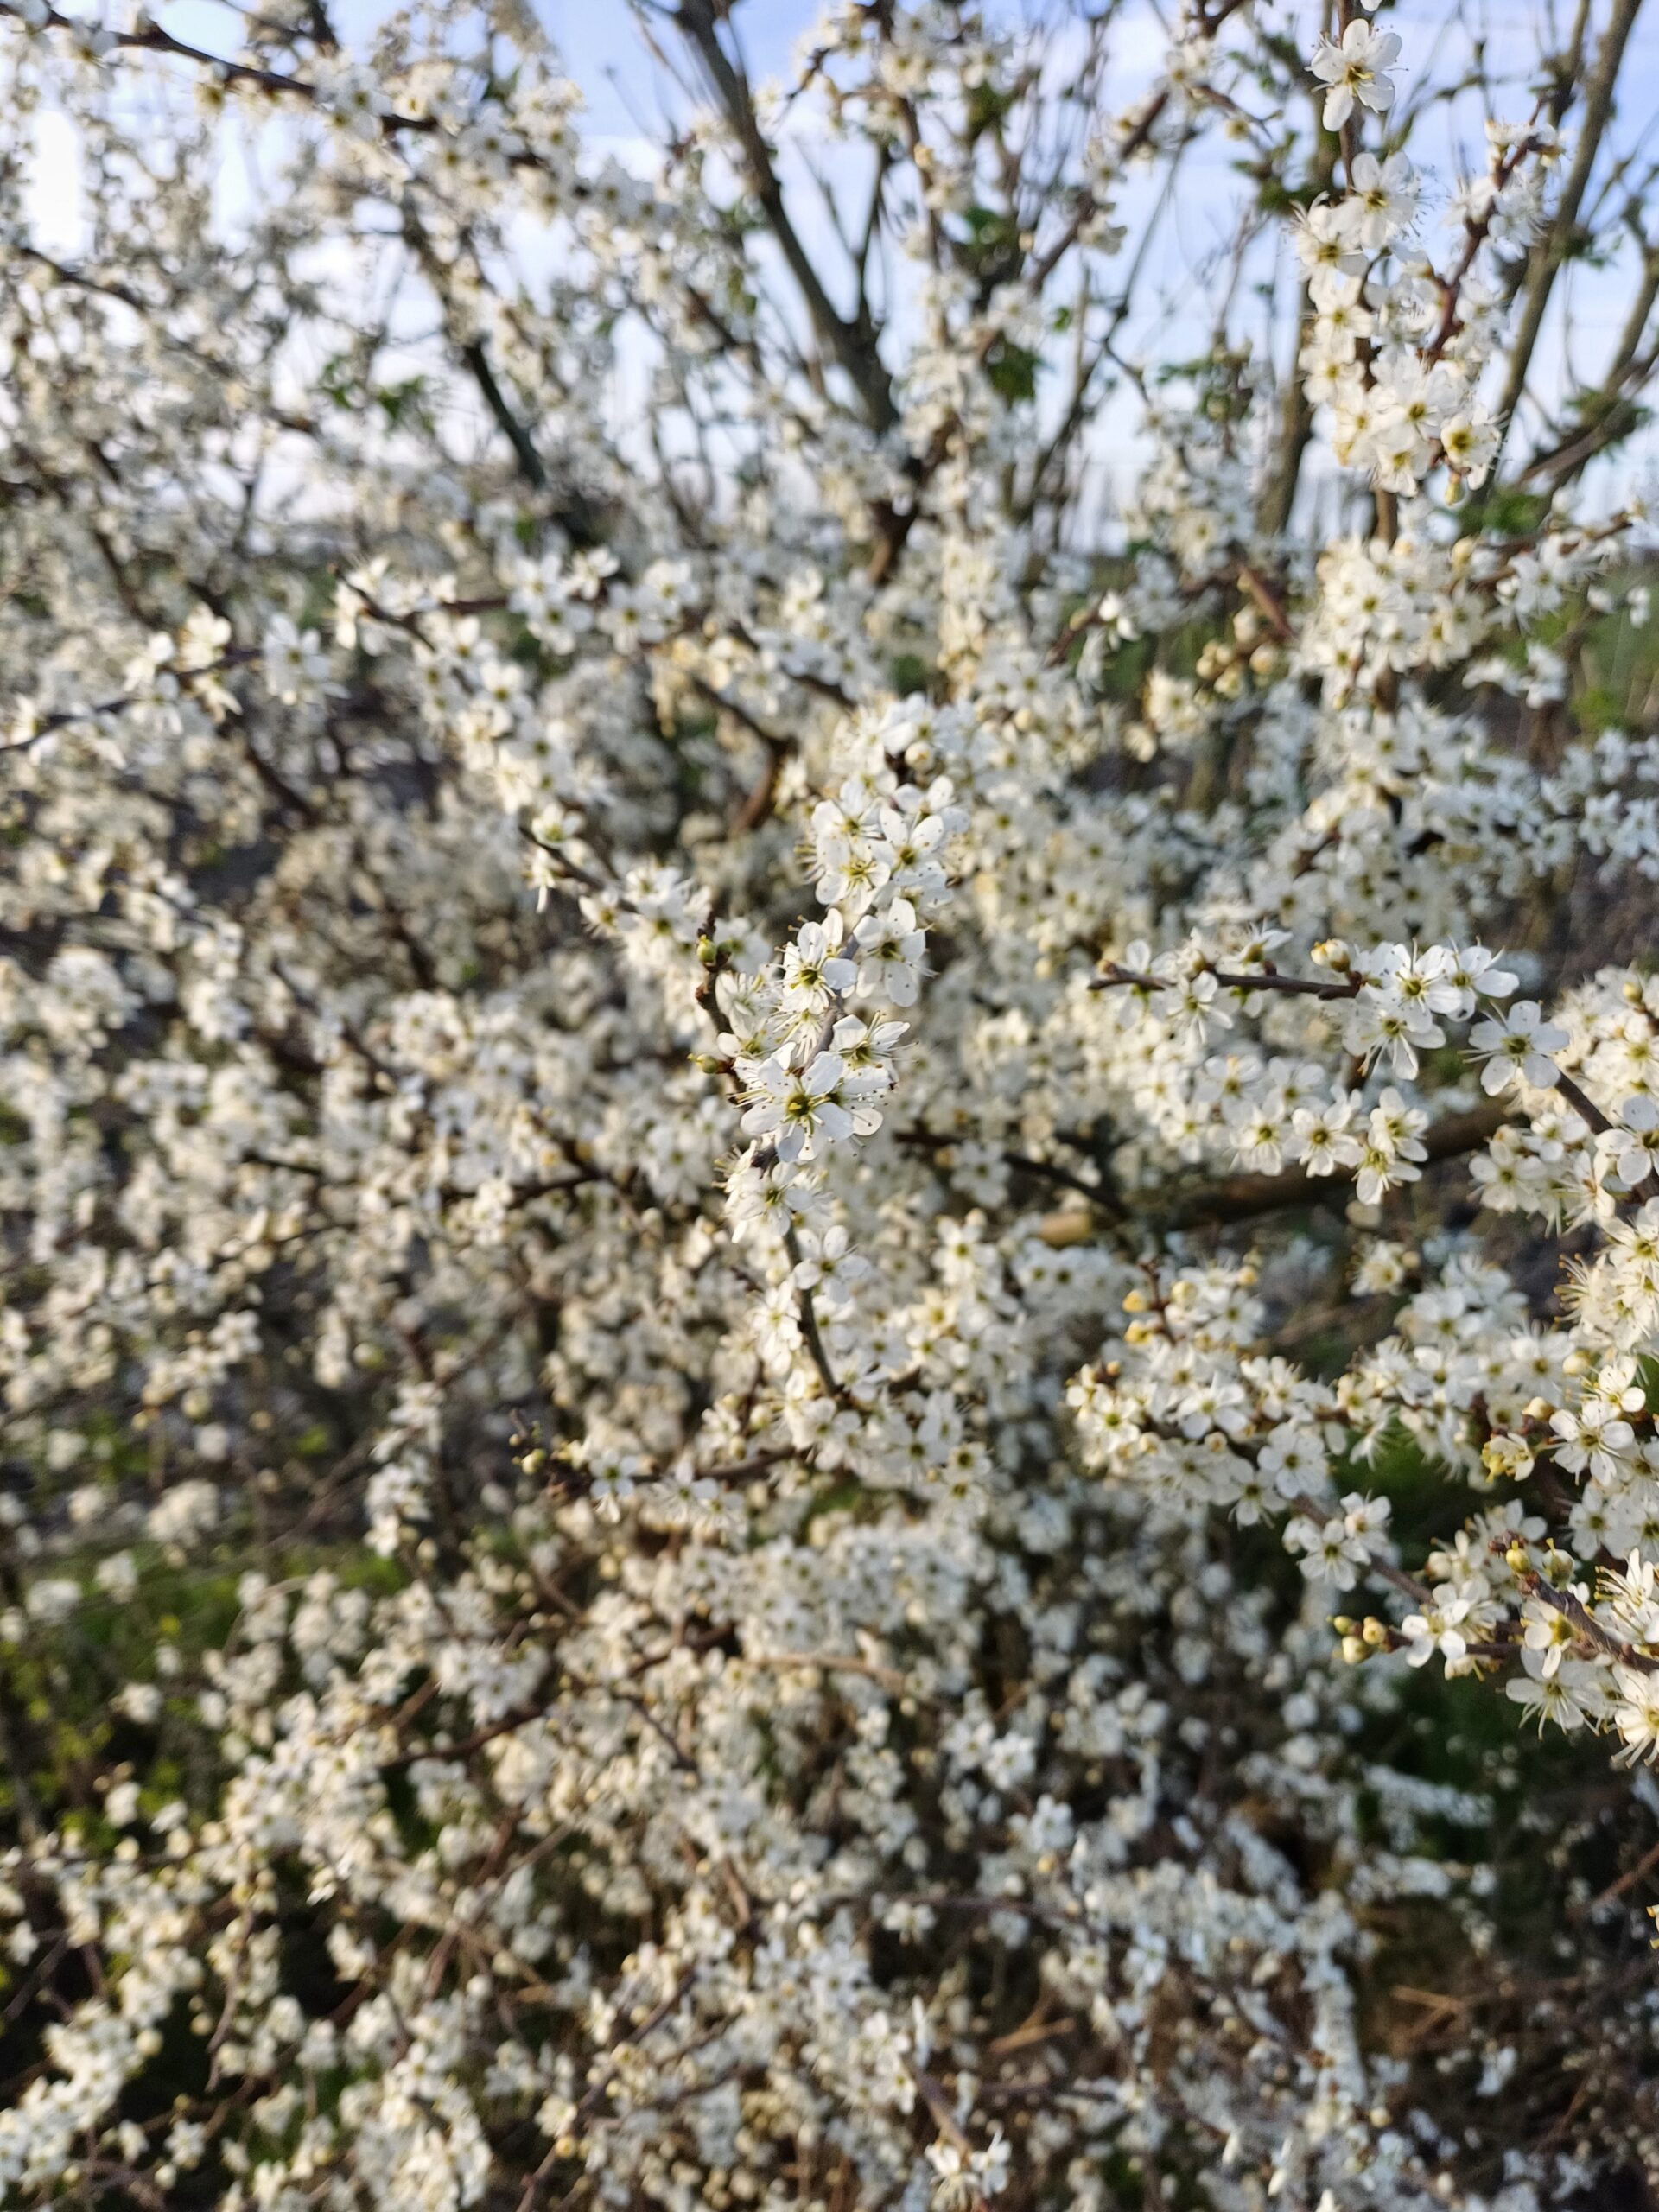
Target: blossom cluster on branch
{"points": [[808, 1284]]}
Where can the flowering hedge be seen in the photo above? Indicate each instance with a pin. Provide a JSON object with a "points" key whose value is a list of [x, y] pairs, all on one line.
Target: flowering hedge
{"points": [[825, 1301]]}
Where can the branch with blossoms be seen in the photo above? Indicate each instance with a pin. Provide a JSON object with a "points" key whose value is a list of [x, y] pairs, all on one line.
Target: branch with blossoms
{"points": [[713, 1261]]}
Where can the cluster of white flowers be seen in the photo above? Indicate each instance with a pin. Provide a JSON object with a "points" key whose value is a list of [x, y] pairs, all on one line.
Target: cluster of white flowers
{"points": [[762, 1216]]}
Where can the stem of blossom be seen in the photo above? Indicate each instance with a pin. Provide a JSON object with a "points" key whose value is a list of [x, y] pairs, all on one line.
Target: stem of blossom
{"points": [[1572, 1608], [66, 717], [1643, 1866], [809, 1315], [1552, 252], [944, 2118], [654, 2018], [530, 462], [1268, 600], [855, 349], [1475, 233], [1241, 1197], [757, 803], [577, 874], [538, 2174], [42, 1972], [1047, 1171], [1383, 1568], [1614, 415], [1581, 1103], [831, 1663], [1267, 979]]}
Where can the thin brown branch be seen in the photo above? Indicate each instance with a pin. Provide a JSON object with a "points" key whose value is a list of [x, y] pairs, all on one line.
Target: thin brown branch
{"points": [[1243, 1198], [853, 347], [1552, 249]]}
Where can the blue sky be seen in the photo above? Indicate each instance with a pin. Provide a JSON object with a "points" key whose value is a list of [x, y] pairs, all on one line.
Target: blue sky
{"points": [[626, 92], [604, 53]]}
